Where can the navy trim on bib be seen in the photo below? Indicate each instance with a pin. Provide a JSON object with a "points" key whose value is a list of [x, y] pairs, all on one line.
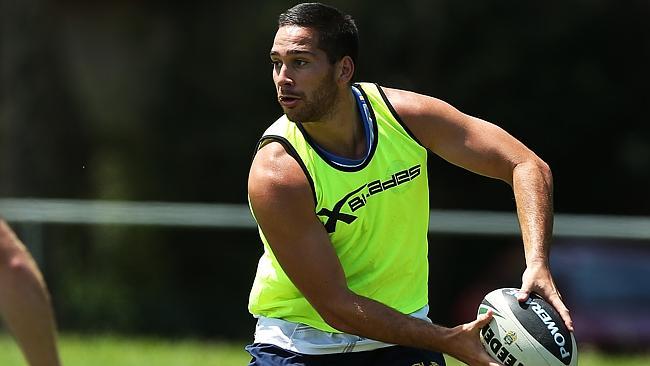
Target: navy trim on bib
{"points": [[294, 154], [366, 122], [397, 117], [373, 147]]}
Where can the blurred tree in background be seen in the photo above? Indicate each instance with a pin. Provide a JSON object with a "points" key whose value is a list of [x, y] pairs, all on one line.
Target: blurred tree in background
{"points": [[164, 101]]}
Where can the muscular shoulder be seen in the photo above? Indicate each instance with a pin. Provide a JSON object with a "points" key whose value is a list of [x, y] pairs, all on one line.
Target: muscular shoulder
{"points": [[410, 105], [429, 118], [461, 139], [275, 176]]}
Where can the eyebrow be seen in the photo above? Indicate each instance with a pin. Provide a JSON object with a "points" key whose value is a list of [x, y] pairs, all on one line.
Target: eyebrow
{"points": [[293, 52]]}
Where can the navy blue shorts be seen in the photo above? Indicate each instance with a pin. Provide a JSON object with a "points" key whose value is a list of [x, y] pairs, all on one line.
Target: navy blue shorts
{"points": [[270, 355]]}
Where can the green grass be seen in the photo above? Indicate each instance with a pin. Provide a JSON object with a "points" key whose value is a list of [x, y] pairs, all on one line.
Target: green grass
{"points": [[120, 351]]}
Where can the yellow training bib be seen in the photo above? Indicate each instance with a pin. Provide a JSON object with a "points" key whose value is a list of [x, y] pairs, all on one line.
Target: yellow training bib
{"points": [[376, 215]]}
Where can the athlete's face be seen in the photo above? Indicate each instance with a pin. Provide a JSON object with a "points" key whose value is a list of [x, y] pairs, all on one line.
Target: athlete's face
{"points": [[304, 78]]}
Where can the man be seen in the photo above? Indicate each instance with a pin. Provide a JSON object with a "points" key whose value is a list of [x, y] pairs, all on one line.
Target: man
{"points": [[25, 302], [338, 187]]}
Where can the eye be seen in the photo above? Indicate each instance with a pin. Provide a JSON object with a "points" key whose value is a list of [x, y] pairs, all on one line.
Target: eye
{"points": [[300, 63], [276, 63]]}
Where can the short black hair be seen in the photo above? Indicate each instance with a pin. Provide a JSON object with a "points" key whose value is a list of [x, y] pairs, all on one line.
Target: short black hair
{"points": [[337, 33]]}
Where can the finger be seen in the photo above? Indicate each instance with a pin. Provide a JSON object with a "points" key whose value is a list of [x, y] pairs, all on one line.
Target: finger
{"points": [[557, 303], [523, 294], [483, 319]]}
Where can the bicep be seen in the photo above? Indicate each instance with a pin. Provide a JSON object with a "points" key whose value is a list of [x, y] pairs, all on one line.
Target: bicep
{"points": [[283, 206], [478, 146], [463, 140]]}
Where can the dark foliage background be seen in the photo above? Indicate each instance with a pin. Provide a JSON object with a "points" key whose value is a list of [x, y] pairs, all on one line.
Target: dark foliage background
{"points": [[164, 101]]}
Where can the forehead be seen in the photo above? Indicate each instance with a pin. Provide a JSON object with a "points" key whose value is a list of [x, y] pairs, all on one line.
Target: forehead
{"points": [[291, 38]]}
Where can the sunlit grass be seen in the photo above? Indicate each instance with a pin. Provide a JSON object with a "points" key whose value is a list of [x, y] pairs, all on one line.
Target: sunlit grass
{"points": [[122, 351]]}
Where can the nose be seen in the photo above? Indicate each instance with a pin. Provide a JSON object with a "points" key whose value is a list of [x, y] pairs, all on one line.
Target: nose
{"points": [[283, 76]]}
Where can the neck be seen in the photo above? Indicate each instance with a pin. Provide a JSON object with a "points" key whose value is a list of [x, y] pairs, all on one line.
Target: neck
{"points": [[341, 132]]}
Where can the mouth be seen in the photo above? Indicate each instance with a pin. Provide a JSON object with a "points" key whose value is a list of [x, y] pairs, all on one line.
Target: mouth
{"points": [[288, 101]]}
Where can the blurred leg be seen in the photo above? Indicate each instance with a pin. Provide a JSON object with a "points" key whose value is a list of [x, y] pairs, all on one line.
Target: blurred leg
{"points": [[25, 303]]}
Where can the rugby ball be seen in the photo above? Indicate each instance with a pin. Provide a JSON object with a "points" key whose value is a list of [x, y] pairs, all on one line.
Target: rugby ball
{"points": [[531, 333]]}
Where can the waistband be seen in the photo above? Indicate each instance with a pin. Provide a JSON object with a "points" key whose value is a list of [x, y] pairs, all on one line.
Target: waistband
{"points": [[304, 339]]}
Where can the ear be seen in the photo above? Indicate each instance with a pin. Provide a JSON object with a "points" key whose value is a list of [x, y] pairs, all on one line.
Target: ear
{"points": [[345, 70]]}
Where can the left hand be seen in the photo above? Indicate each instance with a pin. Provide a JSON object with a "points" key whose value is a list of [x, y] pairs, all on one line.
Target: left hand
{"points": [[537, 278]]}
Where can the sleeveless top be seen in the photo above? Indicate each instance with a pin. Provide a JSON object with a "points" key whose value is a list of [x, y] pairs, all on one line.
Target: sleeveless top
{"points": [[376, 214]]}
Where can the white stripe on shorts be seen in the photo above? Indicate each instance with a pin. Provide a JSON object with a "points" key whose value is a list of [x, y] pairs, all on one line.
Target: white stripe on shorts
{"points": [[304, 339]]}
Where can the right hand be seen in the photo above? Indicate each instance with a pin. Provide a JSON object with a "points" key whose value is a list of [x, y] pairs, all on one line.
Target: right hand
{"points": [[465, 345]]}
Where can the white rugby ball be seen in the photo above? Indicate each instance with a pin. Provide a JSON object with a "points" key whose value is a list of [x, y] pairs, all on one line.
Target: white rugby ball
{"points": [[531, 333]]}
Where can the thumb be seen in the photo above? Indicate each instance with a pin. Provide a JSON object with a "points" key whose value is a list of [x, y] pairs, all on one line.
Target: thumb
{"points": [[523, 293], [483, 319]]}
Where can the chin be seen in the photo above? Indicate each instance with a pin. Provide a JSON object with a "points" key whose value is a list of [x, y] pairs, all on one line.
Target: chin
{"points": [[293, 116], [290, 116]]}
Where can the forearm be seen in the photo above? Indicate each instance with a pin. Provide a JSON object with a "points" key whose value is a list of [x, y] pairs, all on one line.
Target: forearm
{"points": [[365, 317], [358, 315], [533, 188]]}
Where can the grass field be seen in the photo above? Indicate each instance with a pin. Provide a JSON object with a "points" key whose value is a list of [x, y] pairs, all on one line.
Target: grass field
{"points": [[118, 351]]}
